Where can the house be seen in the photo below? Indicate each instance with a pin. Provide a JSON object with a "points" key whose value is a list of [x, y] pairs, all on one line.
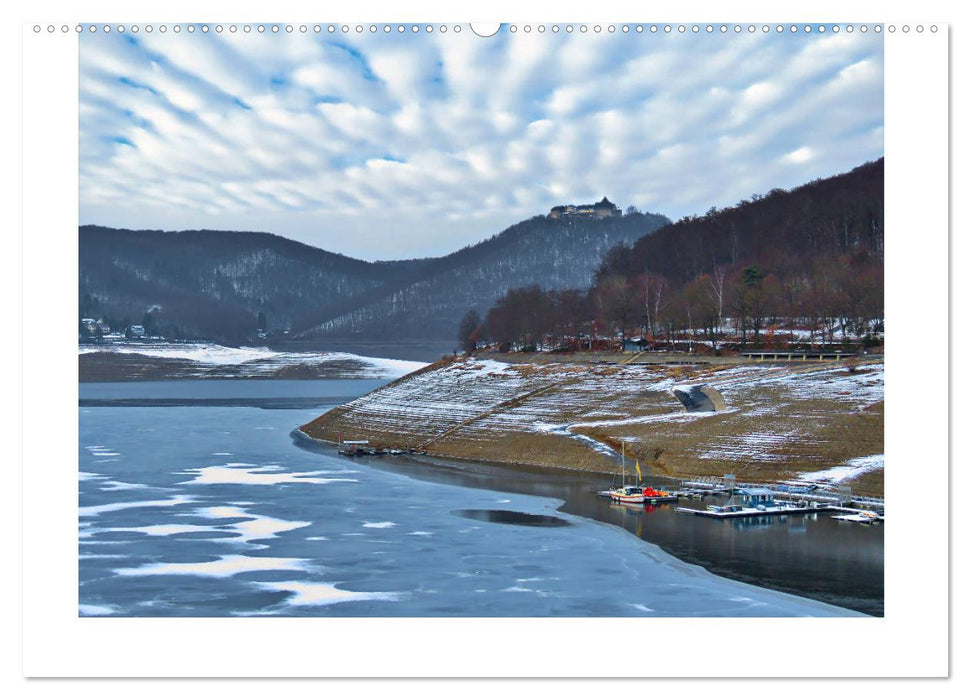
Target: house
{"points": [[604, 209], [756, 497], [135, 331]]}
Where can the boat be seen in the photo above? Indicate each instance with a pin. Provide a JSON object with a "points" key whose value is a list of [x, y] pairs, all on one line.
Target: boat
{"points": [[627, 494], [652, 495], [865, 517]]}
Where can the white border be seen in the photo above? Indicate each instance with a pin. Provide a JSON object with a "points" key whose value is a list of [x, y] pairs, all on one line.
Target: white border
{"points": [[910, 641]]}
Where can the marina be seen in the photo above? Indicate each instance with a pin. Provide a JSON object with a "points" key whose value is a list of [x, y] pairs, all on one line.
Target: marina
{"points": [[755, 500]]}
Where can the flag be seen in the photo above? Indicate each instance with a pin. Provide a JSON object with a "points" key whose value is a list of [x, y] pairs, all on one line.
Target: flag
{"points": [[637, 466]]}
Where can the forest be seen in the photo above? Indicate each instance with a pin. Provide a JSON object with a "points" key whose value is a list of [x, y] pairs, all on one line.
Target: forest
{"points": [[237, 286], [809, 259]]}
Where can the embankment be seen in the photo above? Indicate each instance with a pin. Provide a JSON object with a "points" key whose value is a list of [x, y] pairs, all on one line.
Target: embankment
{"points": [[778, 421]]}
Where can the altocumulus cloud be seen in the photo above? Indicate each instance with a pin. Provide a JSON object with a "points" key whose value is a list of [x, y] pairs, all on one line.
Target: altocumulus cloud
{"points": [[399, 145]]}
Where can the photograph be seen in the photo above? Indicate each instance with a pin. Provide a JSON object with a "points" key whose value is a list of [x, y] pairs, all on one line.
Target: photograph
{"points": [[434, 321]]}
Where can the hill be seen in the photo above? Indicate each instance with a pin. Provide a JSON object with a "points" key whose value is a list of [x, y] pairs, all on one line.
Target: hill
{"points": [[224, 285], [808, 258], [780, 231], [551, 253], [215, 284]]}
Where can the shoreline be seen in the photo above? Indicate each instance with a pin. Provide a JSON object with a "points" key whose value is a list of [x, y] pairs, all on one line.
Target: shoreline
{"points": [[527, 480], [767, 423]]}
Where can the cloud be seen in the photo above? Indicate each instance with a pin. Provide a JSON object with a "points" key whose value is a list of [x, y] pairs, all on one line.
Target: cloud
{"points": [[400, 145]]}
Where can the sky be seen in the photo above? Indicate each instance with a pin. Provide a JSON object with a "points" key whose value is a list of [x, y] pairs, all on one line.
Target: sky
{"points": [[401, 145]]}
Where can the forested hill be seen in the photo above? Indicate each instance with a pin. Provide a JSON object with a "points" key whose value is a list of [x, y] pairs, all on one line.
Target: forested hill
{"points": [[837, 219], [223, 285], [551, 253], [809, 258], [215, 284]]}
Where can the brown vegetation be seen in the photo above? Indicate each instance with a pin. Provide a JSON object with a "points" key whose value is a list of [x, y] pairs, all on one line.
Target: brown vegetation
{"points": [[781, 420]]}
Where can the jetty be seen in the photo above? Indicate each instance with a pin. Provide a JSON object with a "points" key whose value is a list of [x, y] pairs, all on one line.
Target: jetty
{"points": [[757, 501]]}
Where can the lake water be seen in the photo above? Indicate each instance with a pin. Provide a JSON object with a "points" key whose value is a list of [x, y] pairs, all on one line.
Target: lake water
{"points": [[194, 500]]}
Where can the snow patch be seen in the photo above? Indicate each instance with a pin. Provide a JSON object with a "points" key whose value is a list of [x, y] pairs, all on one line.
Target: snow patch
{"points": [[223, 567], [850, 470], [260, 360], [250, 474], [310, 593]]}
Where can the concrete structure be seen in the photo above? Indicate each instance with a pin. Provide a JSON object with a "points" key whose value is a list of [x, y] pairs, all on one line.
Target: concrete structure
{"points": [[699, 398]]}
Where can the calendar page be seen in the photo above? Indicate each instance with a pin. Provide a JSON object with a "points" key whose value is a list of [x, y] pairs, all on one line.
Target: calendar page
{"points": [[372, 348]]}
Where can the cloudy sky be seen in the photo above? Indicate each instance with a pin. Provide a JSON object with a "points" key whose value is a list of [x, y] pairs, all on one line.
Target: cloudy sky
{"points": [[404, 145]]}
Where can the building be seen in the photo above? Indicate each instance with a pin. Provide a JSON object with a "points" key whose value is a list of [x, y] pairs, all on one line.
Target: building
{"points": [[756, 497], [604, 209]]}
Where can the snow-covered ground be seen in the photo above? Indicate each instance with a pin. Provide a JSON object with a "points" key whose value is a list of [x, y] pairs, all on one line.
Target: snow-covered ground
{"points": [[780, 420], [850, 470], [255, 361]]}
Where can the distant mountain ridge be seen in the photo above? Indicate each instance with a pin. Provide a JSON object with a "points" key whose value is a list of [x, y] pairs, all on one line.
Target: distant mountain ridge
{"points": [[552, 253], [215, 284], [224, 285]]}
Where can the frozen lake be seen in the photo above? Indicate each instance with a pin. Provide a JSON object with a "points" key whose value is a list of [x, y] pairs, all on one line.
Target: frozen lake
{"points": [[195, 501]]}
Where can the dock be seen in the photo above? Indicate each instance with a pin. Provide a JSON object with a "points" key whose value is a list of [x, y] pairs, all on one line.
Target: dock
{"points": [[758, 512]]}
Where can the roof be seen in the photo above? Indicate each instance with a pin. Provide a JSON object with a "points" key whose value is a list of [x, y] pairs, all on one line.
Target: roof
{"points": [[755, 491]]}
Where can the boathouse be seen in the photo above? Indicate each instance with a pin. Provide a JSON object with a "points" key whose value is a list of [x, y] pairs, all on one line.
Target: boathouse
{"points": [[755, 497]]}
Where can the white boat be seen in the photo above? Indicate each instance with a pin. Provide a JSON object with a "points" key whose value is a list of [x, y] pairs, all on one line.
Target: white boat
{"points": [[627, 494], [865, 517]]}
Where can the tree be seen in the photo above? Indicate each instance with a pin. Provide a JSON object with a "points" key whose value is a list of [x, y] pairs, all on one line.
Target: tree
{"points": [[613, 263], [716, 286], [469, 329], [632, 210], [616, 302]]}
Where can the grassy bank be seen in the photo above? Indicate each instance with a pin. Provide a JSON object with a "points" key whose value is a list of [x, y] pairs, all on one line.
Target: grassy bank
{"points": [[781, 420]]}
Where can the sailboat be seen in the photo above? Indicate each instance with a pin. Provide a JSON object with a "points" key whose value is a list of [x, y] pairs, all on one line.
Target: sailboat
{"points": [[625, 493]]}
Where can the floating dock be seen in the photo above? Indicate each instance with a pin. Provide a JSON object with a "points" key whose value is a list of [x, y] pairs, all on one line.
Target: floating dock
{"points": [[740, 512]]}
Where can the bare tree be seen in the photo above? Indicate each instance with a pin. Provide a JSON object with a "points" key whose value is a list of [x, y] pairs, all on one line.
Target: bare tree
{"points": [[717, 285]]}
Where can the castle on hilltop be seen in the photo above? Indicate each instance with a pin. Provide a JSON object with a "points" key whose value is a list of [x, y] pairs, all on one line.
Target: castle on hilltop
{"points": [[604, 209]]}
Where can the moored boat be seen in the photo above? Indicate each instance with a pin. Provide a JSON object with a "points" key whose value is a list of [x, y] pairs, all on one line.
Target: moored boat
{"points": [[627, 494], [865, 517]]}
